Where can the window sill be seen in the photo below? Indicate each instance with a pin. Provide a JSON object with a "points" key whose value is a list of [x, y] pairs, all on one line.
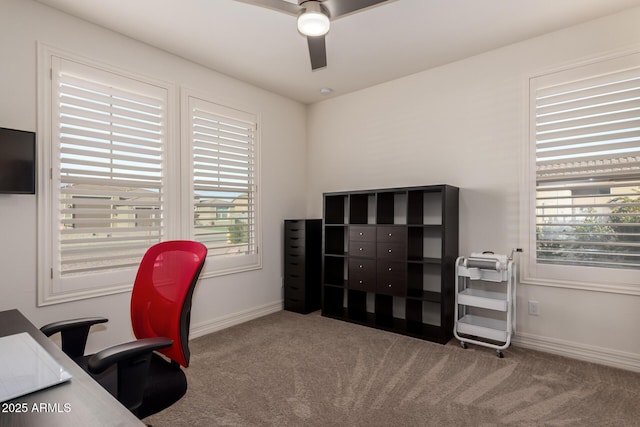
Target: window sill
{"points": [[583, 286], [50, 298]]}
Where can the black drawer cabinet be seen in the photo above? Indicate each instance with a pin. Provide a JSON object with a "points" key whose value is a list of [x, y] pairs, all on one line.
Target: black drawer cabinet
{"points": [[302, 264]]}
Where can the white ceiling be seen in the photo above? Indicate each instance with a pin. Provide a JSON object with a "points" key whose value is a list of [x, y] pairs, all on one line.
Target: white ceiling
{"points": [[401, 37]]}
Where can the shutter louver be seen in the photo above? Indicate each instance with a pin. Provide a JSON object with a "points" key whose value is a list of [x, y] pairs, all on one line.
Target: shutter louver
{"points": [[224, 181], [588, 171], [110, 172]]}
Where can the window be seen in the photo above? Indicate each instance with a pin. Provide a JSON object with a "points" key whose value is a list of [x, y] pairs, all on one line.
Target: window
{"points": [[103, 200], [222, 157], [111, 169], [585, 163]]}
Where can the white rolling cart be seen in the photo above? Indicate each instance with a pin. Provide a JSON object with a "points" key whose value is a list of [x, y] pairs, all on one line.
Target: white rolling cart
{"points": [[485, 300]]}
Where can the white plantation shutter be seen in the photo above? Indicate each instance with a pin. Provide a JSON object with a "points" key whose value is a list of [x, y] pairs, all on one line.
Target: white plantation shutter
{"points": [[590, 128], [109, 135], [586, 128], [224, 185]]}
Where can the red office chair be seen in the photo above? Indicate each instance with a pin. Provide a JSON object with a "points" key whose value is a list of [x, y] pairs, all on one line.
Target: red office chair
{"points": [[134, 373]]}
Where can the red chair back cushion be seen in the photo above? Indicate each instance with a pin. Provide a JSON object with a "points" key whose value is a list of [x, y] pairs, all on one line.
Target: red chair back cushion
{"points": [[161, 298]]}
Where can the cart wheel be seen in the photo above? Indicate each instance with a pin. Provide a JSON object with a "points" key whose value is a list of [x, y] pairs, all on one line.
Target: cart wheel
{"points": [[500, 355], [463, 344]]}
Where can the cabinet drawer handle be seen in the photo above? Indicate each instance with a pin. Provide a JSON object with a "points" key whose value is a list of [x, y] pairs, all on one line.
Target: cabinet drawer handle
{"points": [[390, 234], [389, 285], [361, 249], [390, 269], [360, 281], [360, 266], [390, 251], [361, 233]]}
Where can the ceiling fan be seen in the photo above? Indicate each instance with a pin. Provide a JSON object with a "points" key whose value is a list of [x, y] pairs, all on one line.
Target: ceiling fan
{"points": [[314, 18]]}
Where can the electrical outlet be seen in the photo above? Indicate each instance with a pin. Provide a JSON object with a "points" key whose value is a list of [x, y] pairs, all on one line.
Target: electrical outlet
{"points": [[534, 309]]}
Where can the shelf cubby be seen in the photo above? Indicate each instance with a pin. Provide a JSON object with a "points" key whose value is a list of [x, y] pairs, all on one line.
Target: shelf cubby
{"points": [[334, 271], [333, 301], [362, 208], [335, 240], [392, 207], [335, 209]]}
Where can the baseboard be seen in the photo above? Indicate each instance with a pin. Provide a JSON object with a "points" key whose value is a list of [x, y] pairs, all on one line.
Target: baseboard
{"points": [[589, 353], [233, 319]]}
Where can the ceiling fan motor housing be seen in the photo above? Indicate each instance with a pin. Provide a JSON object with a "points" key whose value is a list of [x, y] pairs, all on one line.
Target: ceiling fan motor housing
{"points": [[314, 6]]}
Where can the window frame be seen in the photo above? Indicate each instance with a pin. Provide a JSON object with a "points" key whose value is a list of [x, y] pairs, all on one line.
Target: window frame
{"points": [[623, 281], [50, 289], [223, 266]]}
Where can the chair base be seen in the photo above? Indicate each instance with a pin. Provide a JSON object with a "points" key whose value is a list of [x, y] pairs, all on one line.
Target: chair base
{"points": [[166, 384]]}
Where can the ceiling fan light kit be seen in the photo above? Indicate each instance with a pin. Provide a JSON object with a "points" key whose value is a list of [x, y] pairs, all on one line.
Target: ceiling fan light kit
{"points": [[314, 18], [313, 22]]}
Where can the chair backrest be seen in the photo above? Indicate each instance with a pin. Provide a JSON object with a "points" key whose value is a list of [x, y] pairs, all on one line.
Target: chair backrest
{"points": [[161, 297]]}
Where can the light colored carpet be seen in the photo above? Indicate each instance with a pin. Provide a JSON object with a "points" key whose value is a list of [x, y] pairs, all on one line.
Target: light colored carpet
{"points": [[288, 369]]}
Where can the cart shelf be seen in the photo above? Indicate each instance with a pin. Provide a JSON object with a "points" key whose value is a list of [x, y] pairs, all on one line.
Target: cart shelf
{"points": [[483, 327], [483, 299]]}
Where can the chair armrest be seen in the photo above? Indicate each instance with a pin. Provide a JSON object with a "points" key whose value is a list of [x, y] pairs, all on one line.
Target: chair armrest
{"points": [[133, 360], [63, 325], [74, 333], [100, 361]]}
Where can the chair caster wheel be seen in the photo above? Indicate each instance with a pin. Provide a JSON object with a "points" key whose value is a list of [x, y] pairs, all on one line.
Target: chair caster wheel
{"points": [[463, 344], [500, 355]]}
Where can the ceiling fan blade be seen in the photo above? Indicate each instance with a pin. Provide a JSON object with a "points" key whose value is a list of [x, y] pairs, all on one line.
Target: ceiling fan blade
{"points": [[279, 5], [338, 8], [317, 52]]}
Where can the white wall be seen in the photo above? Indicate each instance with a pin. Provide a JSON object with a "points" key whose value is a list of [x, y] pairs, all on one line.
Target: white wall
{"points": [[217, 301], [464, 124]]}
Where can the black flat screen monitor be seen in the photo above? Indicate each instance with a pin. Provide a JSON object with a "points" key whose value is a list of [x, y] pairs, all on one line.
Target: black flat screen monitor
{"points": [[17, 161]]}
